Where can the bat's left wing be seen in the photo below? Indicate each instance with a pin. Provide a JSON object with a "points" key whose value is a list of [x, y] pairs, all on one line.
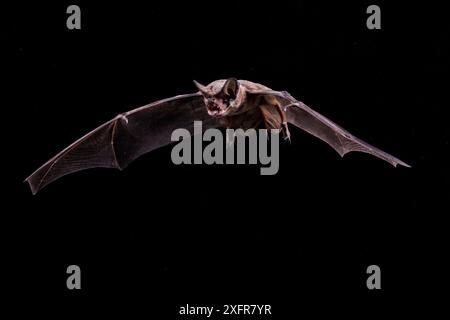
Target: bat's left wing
{"points": [[319, 126], [119, 141]]}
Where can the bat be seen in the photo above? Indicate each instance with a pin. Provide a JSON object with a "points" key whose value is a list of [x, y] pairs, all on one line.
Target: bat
{"points": [[229, 103]]}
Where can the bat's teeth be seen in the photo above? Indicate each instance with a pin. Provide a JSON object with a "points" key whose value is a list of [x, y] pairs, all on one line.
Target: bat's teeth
{"points": [[216, 110]]}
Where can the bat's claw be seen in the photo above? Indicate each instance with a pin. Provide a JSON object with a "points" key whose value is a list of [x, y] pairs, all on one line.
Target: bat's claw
{"points": [[285, 134], [123, 117]]}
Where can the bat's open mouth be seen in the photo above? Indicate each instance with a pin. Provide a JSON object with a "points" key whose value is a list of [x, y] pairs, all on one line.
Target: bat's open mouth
{"points": [[216, 110]]}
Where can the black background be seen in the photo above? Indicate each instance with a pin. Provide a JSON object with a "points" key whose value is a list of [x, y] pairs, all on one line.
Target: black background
{"points": [[157, 236]]}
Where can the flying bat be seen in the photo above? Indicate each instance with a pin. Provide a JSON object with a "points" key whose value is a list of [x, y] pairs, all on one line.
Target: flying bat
{"points": [[229, 103]]}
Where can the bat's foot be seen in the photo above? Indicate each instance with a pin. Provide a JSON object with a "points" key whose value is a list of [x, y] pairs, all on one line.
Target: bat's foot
{"points": [[285, 134]]}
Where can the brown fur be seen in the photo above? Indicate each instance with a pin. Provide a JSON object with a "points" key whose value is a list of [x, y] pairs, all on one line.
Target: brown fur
{"points": [[249, 111]]}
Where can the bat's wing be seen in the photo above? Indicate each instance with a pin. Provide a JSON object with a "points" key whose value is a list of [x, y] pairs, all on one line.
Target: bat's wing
{"points": [[319, 126], [121, 140]]}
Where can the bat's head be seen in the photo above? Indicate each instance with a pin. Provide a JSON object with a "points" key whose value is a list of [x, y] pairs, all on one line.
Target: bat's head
{"points": [[221, 97]]}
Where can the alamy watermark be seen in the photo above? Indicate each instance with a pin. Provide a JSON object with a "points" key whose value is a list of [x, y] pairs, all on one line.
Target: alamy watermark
{"points": [[228, 148]]}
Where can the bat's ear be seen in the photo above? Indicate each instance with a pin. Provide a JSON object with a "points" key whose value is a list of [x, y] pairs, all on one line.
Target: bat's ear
{"points": [[201, 87], [231, 87]]}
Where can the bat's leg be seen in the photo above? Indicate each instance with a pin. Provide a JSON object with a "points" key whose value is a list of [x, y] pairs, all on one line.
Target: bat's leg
{"points": [[275, 117], [285, 132], [284, 125]]}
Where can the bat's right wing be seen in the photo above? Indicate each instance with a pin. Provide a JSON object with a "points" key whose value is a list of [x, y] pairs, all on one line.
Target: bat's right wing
{"points": [[121, 140], [323, 128]]}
